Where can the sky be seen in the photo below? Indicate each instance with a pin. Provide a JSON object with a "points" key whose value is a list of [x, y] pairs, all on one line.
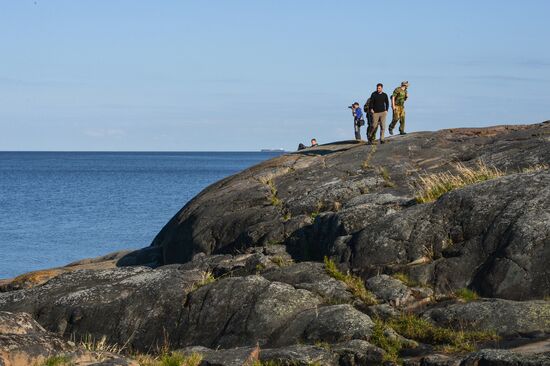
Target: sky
{"points": [[241, 75]]}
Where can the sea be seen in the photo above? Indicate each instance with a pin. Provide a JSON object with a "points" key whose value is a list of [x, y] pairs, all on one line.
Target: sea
{"points": [[58, 207]]}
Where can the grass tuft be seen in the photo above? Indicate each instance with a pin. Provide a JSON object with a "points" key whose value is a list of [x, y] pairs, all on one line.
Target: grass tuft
{"points": [[535, 168], [317, 210], [354, 283], [57, 361], [280, 261], [281, 363], [466, 294], [405, 279], [386, 176], [89, 343], [170, 359], [391, 345], [273, 198], [206, 278], [449, 340], [432, 186]]}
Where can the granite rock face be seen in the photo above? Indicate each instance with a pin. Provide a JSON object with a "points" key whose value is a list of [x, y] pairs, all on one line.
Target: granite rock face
{"points": [[355, 203], [237, 274]]}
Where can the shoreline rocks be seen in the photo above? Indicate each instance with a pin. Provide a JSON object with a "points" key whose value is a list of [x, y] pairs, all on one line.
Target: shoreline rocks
{"points": [[238, 271]]}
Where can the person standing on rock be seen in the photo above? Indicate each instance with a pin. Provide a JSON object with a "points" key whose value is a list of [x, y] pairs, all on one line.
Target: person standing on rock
{"points": [[367, 108], [358, 120], [398, 99], [379, 109]]}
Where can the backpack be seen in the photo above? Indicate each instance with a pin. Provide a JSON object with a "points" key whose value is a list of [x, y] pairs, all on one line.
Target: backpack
{"points": [[366, 107]]}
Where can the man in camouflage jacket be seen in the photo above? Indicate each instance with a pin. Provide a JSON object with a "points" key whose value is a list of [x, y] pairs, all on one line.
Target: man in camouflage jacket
{"points": [[398, 99]]}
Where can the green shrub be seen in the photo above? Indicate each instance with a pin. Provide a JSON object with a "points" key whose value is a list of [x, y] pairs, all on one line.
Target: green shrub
{"points": [[354, 283]]}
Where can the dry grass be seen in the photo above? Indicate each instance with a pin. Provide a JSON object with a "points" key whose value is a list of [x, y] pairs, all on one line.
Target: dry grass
{"points": [[386, 176], [170, 359], [101, 346], [206, 278], [280, 261], [354, 283], [535, 168], [432, 186], [366, 163]]}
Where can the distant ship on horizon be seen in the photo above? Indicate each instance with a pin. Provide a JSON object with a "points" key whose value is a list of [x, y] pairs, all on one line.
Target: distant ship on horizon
{"points": [[272, 150]]}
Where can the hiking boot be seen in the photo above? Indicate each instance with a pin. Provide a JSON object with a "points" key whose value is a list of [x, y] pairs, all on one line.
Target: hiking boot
{"points": [[382, 141], [390, 131], [402, 133]]}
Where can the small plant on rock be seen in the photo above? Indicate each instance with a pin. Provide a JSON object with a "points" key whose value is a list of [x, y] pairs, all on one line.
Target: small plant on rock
{"points": [[89, 343], [386, 176], [466, 294], [60, 360], [381, 339], [430, 187], [535, 168], [280, 261], [206, 278], [170, 359], [450, 340], [355, 284], [405, 279]]}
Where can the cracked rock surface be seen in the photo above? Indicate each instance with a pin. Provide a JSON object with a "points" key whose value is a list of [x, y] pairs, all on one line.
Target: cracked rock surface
{"points": [[238, 272]]}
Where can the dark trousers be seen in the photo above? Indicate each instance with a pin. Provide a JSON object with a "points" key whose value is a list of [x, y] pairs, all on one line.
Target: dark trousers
{"points": [[357, 123], [369, 125]]}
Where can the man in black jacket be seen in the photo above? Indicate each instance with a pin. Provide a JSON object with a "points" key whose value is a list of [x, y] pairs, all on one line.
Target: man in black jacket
{"points": [[379, 103]]}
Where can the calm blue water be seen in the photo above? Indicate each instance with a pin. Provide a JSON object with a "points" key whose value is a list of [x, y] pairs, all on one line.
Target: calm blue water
{"points": [[57, 207]]}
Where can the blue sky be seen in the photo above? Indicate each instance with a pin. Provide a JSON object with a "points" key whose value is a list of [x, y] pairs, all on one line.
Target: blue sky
{"points": [[245, 75]]}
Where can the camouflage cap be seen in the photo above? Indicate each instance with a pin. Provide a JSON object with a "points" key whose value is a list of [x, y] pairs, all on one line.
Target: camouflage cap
{"points": [[404, 83]]}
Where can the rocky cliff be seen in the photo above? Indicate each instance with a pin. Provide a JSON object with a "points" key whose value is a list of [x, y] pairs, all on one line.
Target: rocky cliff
{"points": [[332, 255]]}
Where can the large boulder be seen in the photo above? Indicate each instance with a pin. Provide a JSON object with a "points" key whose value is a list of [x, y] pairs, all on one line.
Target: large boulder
{"points": [[184, 305], [24, 342], [355, 203], [491, 236], [507, 318], [137, 306]]}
